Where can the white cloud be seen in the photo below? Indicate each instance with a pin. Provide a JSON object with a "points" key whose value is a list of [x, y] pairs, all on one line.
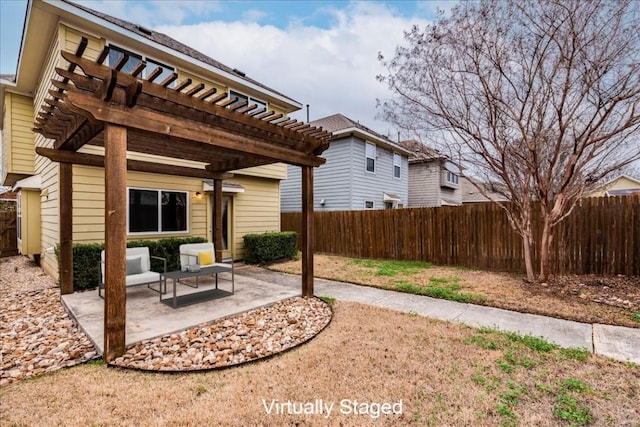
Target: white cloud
{"points": [[254, 15], [333, 69]]}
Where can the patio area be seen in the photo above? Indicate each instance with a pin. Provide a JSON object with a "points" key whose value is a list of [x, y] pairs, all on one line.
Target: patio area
{"points": [[148, 318]]}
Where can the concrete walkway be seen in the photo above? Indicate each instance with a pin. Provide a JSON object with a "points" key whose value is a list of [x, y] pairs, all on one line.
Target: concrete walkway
{"points": [[254, 287], [613, 341]]}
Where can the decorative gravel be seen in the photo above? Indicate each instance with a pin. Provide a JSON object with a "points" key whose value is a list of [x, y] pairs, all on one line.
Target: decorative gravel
{"points": [[36, 332], [246, 337], [38, 335]]}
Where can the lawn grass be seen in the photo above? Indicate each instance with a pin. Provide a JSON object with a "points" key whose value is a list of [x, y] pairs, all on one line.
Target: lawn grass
{"points": [[444, 374], [391, 268], [437, 287], [462, 284]]}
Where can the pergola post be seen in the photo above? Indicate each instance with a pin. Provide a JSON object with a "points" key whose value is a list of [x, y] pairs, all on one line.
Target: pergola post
{"points": [[66, 228], [115, 177], [217, 218], [307, 231]]}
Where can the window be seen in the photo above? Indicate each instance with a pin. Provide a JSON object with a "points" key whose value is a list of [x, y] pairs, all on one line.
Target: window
{"points": [[371, 157], [397, 162], [452, 177], [116, 53], [242, 98], [157, 211], [368, 204], [388, 205]]}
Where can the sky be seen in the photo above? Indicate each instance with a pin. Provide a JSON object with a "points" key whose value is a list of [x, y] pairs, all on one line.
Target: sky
{"points": [[321, 53]]}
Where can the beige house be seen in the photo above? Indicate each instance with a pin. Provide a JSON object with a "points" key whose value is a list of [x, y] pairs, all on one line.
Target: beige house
{"points": [[159, 205], [620, 186]]}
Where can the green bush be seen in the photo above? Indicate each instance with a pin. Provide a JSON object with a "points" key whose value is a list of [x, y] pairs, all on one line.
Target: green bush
{"points": [[271, 246], [86, 258]]}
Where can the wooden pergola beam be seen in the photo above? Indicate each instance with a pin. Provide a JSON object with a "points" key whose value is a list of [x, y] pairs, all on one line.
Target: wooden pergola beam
{"points": [[235, 164], [70, 157], [163, 124], [307, 231], [115, 244], [66, 228], [90, 68], [277, 133]]}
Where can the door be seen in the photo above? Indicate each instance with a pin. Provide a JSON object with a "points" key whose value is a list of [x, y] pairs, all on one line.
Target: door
{"points": [[227, 227]]}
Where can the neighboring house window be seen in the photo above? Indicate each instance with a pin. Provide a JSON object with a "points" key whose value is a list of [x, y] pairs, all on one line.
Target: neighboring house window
{"points": [[157, 211], [388, 205], [368, 204], [242, 98], [452, 177], [397, 162], [371, 157], [115, 53]]}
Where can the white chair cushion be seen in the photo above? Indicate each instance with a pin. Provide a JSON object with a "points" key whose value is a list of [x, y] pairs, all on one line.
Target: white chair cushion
{"points": [[146, 277], [189, 253]]}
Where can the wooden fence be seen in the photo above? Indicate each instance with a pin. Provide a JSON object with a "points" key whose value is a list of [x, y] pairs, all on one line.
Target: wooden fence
{"points": [[601, 236], [8, 238]]}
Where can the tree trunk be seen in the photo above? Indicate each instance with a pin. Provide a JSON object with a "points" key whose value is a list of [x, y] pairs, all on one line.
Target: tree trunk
{"points": [[545, 250], [528, 261]]}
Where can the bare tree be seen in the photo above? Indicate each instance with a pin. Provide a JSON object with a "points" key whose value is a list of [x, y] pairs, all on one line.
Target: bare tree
{"points": [[540, 97]]}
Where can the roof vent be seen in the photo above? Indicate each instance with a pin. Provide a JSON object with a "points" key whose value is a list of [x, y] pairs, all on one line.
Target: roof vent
{"points": [[240, 73], [144, 30]]}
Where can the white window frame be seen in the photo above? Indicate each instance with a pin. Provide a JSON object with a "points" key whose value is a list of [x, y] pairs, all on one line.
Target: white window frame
{"points": [[160, 232], [368, 155], [155, 63], [452, 178], [373, 204], [397, 163], [250, 100]]}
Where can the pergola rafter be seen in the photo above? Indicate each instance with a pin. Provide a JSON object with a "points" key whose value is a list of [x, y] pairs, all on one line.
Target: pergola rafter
{"points": [[94, 104]]}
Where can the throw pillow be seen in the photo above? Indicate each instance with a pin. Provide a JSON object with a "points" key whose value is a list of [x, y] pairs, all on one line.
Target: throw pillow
{"points": [[205, 257], [134, 265]]}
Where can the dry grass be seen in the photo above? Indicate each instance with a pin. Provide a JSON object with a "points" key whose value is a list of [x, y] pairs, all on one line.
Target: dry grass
{"points": [[568, 297], [444, 373]]}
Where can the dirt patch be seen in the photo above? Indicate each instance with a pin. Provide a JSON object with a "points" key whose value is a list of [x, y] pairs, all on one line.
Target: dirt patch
{"points": [[611, 300]]}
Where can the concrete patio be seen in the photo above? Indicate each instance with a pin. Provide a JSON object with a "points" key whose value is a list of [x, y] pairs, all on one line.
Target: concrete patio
{"points": [[148, 318]]}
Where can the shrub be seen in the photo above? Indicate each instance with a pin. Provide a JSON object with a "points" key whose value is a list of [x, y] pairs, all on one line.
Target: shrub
{"points": [[271, 246], [86, 258]]}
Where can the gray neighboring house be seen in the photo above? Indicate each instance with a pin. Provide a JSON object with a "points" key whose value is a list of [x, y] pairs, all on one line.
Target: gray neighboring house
{"points": [[364, 170], [471, 193], [433, 179]]}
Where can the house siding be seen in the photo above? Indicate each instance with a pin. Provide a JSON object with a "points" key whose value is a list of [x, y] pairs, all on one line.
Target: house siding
{"points": [[424, 185], [343, 181], [373, 185], [291, 190], [19, 135], [18, 154], [257, 210]]}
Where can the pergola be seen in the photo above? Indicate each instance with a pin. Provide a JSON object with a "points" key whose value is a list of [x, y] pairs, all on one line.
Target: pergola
{"points": [[101, 105]]}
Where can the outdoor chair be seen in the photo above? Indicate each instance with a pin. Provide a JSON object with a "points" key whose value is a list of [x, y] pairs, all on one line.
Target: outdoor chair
{"points": [[202, 255], [139, 270]]}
